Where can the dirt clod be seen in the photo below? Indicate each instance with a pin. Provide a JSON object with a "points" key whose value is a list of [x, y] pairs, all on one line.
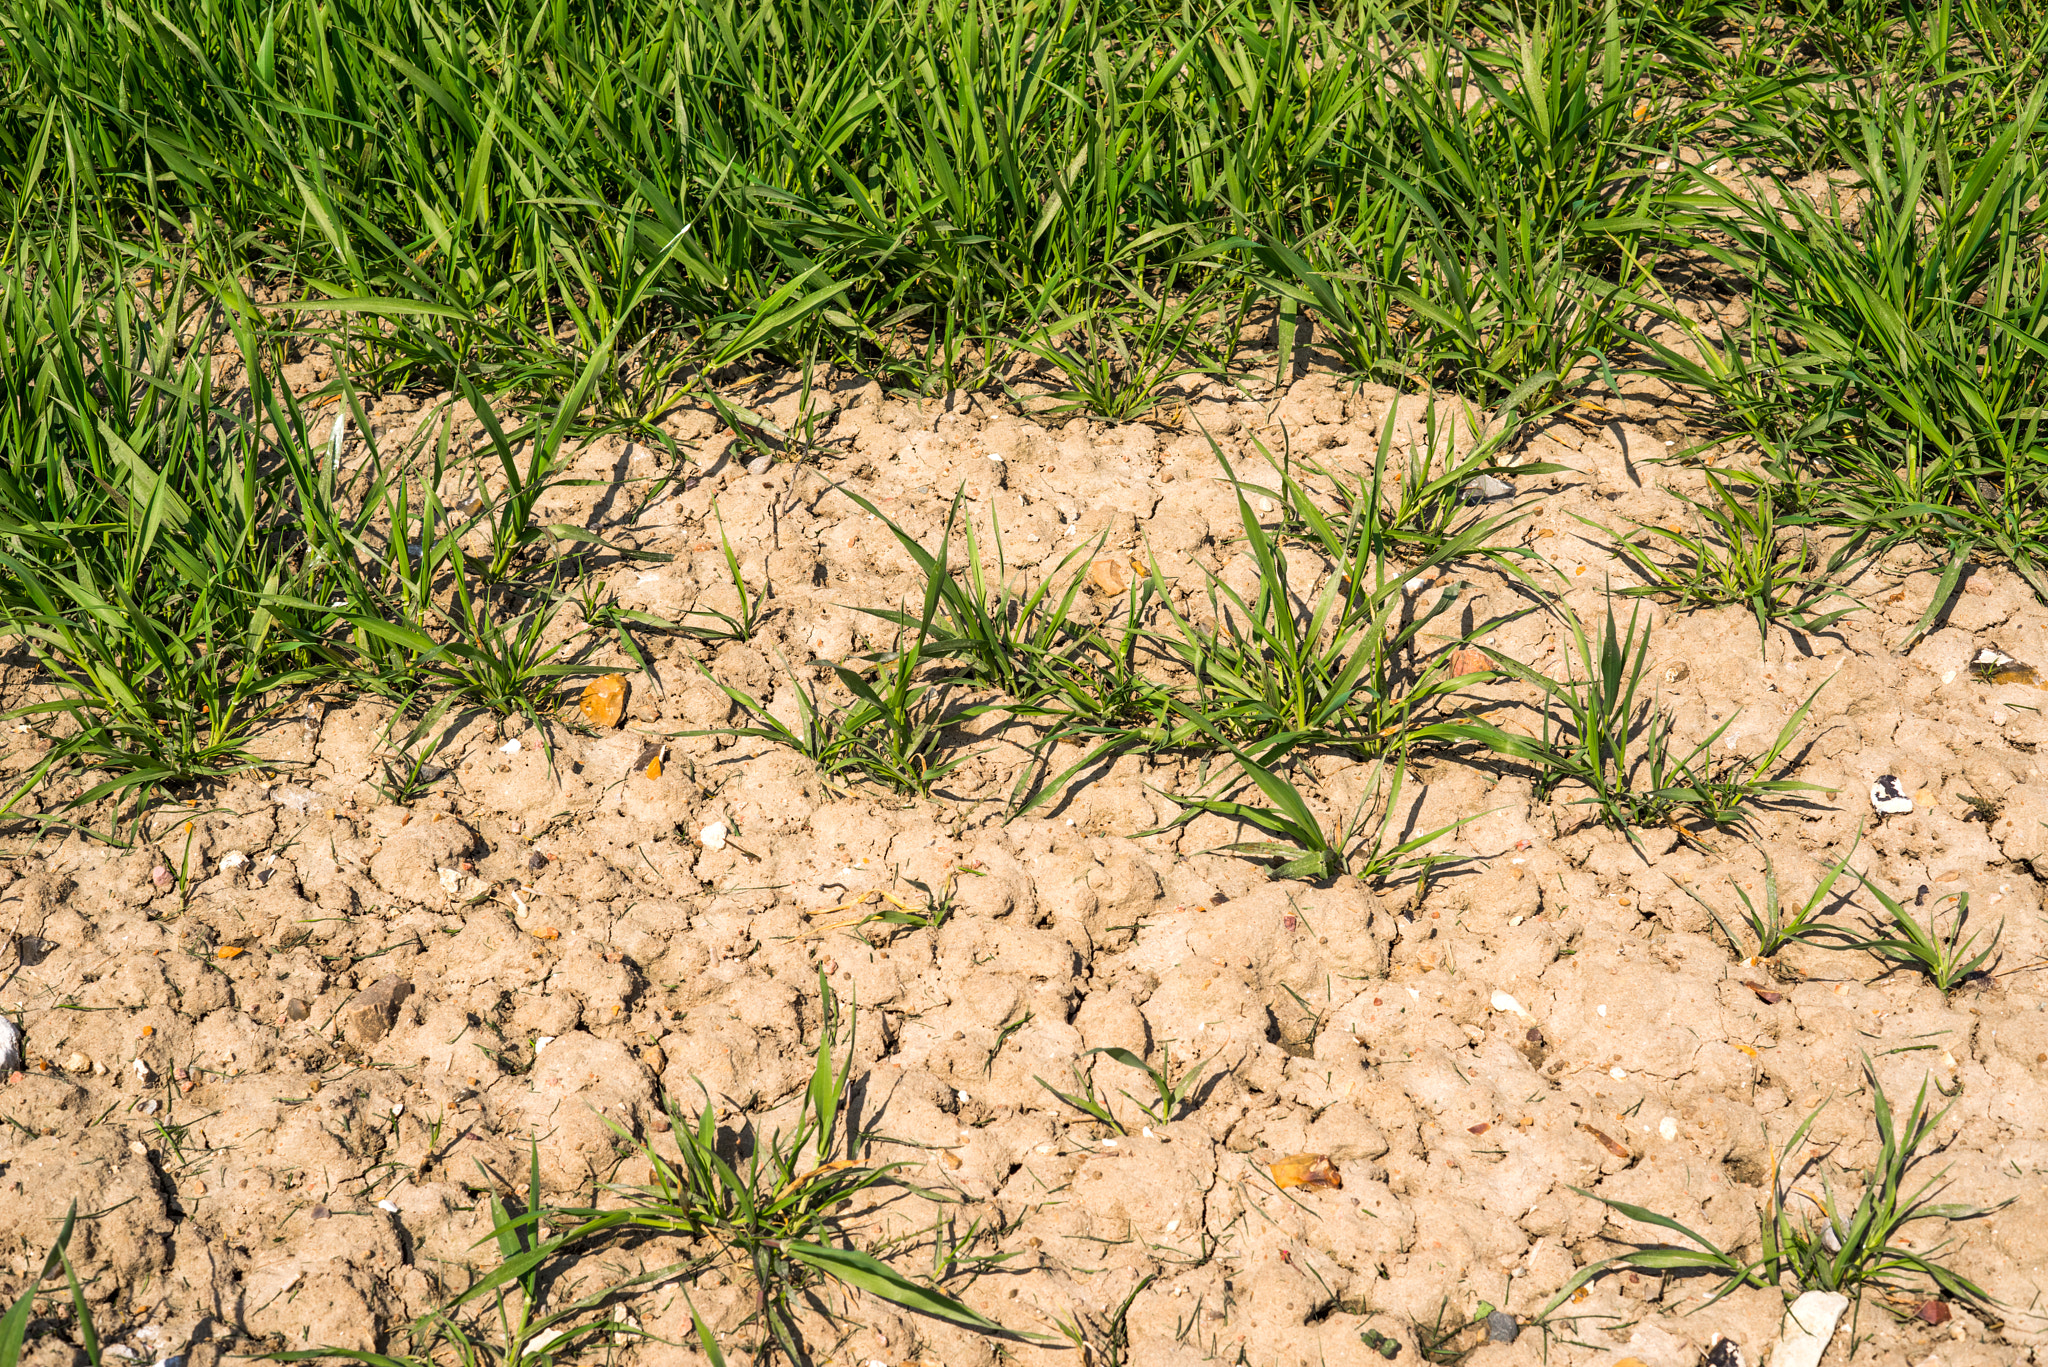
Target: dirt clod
{"points": [[372, 1013]]}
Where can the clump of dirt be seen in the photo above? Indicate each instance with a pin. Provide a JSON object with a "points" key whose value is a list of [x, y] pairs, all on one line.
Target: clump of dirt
{"points": [[282, 1051]]}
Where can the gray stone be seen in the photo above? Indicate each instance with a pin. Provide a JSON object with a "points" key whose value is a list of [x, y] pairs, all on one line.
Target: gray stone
{"points": [[1501, 1328]]}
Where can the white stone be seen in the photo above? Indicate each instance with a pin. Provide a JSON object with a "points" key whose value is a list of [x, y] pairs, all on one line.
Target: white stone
{"points": [[1503, 1002], [1808, 1328]]}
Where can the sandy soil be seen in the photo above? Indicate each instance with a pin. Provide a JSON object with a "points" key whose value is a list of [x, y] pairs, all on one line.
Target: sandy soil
{"points": [[279, 1058]]}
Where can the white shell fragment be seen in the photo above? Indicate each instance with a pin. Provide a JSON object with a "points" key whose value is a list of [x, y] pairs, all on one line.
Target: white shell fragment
{"points": [[510, 747], [1485, 488], [10, 1046], [388, 1207], [463, 887], [712, 837], [1667, 1128], [1888, 797], [1503, 1002]]}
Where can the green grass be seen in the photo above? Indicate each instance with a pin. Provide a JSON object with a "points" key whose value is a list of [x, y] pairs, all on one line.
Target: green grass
{"points": [[569, 215]]}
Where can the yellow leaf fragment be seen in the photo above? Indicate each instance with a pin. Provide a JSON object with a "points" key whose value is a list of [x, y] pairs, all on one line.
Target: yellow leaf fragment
{"points": [[1312, 1170]]}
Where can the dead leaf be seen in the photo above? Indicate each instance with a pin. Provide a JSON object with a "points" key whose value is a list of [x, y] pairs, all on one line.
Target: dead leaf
{"points": [[228, 952], [654, 767], [1106, 576], [1312, 1170], [604, 700], [1481, 1128], [1932, 1312], [1618, 1150], [547, 933], [1764, 994], [1470, 660]]}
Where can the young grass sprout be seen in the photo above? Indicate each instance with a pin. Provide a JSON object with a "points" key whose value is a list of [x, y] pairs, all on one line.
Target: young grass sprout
{"points": [[1848, 1249], [1943, 955], [1771, 926]]}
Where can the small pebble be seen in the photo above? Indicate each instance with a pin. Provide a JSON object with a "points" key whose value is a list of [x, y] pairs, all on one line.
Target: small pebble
{"points": [[1501, 1328], [713, 836]]}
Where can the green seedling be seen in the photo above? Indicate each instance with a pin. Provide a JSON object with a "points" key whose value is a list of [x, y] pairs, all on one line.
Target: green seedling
{"points": [[1771, 926], [1849, 1251], [1108, 1344], [1306, 846], [1738, 557], [938, 908], [509, 1317], [1169, 1090], [1320, 668], [891, 733], [725, 626], [1084, 1098], [821, 734], [1117, 361], [14, 1324], [775, 1220], [1943, 955], [605, 617], [1602, 734], [408, 775], [1005, 639]]}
